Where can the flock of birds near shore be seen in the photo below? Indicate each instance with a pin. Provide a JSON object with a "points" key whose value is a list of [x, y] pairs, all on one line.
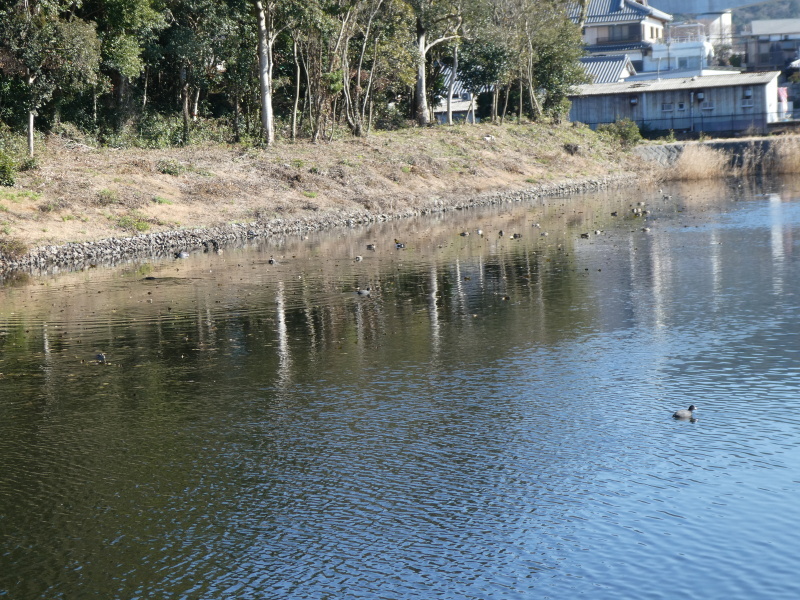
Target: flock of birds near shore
{"points": [[637, 210], [686, 414]]}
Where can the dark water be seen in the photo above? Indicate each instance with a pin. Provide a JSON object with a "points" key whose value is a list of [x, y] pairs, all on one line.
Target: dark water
{"points": [[493, 421]]}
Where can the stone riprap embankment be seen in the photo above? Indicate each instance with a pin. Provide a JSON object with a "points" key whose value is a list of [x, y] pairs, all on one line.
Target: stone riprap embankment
{"points": [[78, 255]]}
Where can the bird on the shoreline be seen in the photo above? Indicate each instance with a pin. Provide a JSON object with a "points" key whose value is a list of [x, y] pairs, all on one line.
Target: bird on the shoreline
{"points": [[182, 254], [364, 291], [398, 244], [685, 413], [370, 246], [271, 260]]}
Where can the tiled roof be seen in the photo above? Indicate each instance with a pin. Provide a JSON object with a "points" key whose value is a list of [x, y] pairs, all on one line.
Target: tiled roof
{"points": [[691, 83], [615, 11], [607, 69]]}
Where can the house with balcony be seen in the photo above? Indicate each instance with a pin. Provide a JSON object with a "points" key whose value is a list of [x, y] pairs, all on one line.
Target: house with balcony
{"points": [[642, 32]]}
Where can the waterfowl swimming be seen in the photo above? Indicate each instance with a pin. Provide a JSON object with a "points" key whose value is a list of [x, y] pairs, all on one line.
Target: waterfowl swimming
{"points": [[685, 413], [370, 246], [358, 258], [363, 292]]}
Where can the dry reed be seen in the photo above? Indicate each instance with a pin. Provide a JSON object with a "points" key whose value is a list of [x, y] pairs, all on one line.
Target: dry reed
{"points": [[700, 162], [783, 156]]}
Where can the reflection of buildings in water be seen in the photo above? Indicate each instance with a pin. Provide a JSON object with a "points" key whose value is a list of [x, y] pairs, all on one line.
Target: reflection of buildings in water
{"points": [[779, 245]]}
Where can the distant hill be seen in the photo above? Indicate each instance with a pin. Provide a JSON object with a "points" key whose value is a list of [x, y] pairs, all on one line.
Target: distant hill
{"points": [[775, 9]]}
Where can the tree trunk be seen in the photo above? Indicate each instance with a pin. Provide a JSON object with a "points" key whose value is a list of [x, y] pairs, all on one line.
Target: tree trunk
{"points": [[236, 117], [296, 92], [265, 66], [30, 133], [452, 86], [421, 100], [185, 105], [196, 103], [29, 80], [144, 91], [505, 104]]}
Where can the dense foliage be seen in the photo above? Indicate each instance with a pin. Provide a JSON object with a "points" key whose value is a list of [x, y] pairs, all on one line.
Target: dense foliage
{"points": [[164, 72]]}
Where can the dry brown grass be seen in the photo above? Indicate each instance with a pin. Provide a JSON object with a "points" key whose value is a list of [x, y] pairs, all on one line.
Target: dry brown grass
{"points": [[783, 156], [90, 192], [700, 162]]}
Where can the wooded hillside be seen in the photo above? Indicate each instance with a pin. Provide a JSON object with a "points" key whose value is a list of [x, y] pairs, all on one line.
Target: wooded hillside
{"points": [[156, 73]]}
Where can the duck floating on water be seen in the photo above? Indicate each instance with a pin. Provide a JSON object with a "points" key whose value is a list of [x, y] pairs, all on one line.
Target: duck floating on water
{"points": [[685, 413]]}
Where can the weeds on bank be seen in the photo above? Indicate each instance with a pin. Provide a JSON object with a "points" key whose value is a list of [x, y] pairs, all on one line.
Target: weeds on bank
{"points": [[133, 222], [13, 248]]}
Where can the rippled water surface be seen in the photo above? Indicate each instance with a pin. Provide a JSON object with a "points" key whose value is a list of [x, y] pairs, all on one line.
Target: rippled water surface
{"points": [[492, 421]]}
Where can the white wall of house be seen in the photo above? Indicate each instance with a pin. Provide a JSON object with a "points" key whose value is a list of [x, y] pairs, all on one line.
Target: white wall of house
{"points": [[719, 27], [667, 56]]}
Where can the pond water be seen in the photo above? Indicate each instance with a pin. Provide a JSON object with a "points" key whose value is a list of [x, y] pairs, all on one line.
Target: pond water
{"points": [[492, 421]]}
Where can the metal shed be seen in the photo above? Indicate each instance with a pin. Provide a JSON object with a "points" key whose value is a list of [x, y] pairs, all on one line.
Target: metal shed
{"points": [[735, 102]]}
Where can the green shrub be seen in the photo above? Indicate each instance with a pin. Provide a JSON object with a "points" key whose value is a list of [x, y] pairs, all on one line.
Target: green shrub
{"points": [[8, 169], [624, 131], [133, 223], [29, 163], [170, 167], [106, 197]]}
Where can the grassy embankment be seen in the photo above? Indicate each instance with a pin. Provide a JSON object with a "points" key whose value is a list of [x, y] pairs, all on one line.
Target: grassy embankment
{"points": [[79, 193]]}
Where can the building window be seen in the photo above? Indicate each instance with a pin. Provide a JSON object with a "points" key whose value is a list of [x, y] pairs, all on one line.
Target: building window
{"points": [[707, 105], [681, 106], [747, 103], [667, 107], [683, 63]]}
